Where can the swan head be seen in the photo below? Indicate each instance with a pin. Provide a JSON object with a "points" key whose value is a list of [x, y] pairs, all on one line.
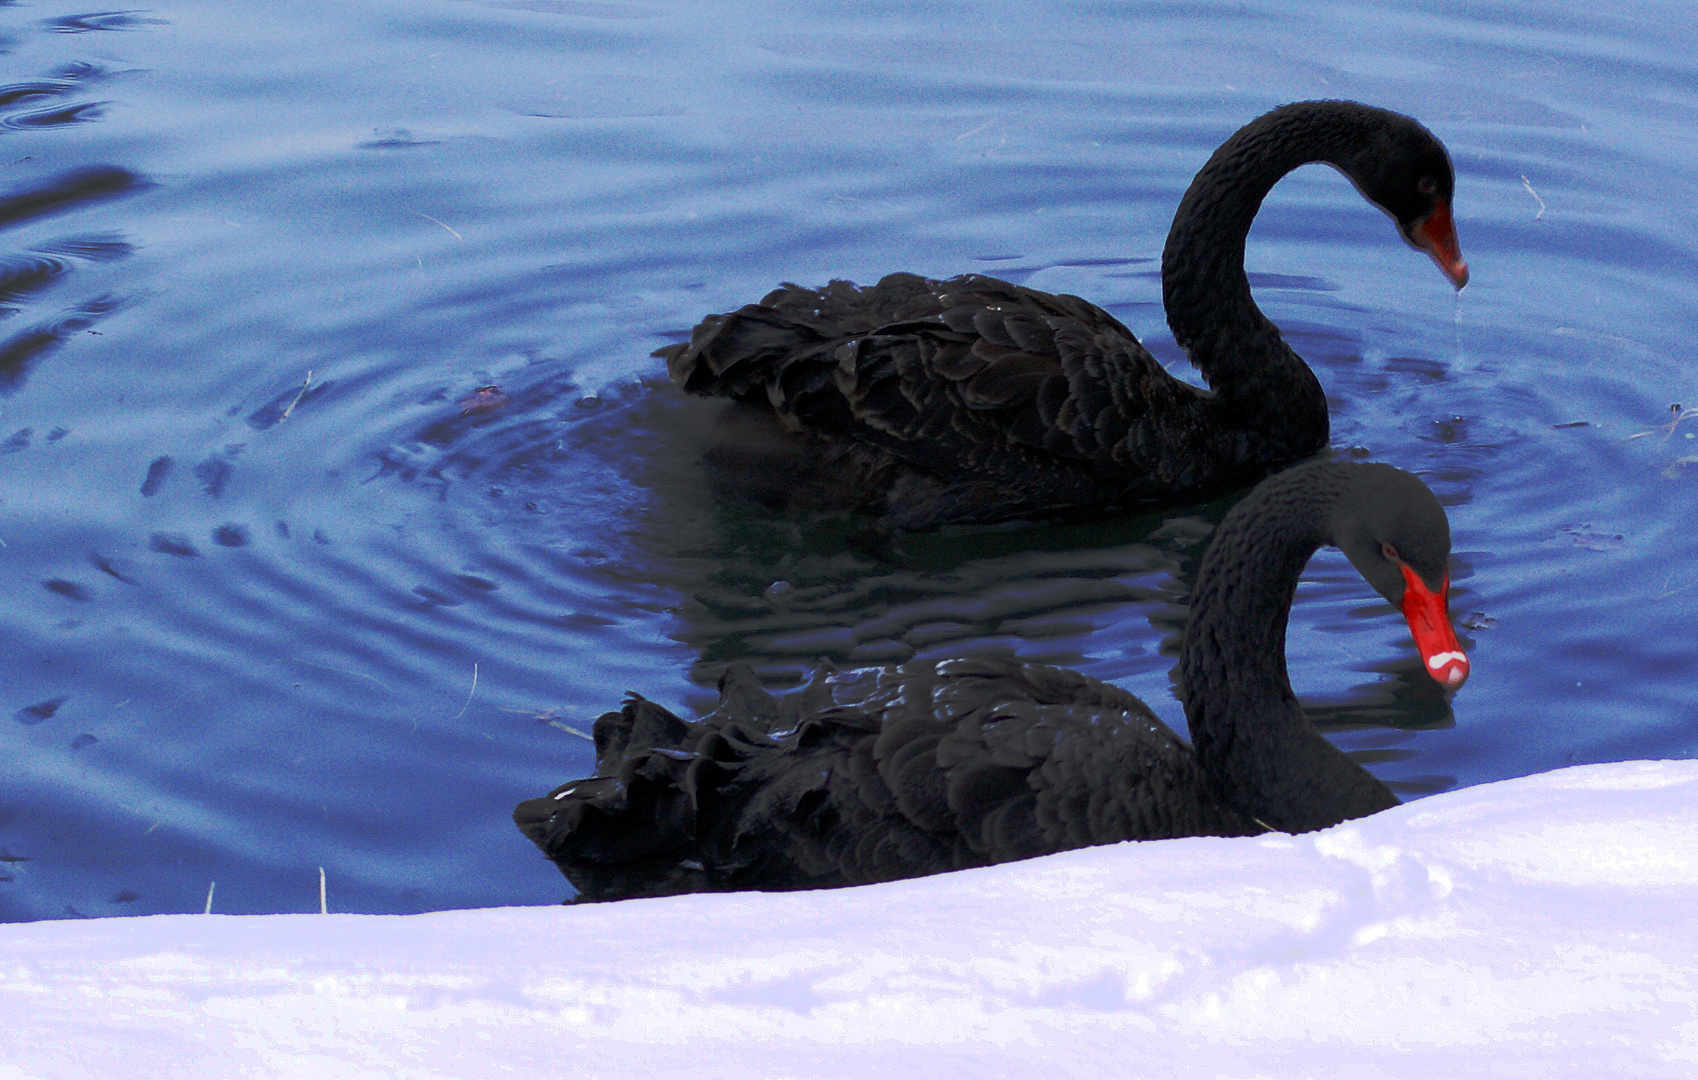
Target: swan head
{"points": [[1396, 534], [1406, 172]]}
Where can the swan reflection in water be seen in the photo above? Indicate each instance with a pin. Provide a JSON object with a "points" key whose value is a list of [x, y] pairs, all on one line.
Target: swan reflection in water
{"points": [[883, 773]]}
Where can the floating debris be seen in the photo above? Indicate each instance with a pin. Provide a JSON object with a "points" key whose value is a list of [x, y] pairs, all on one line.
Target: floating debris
{"points": [[483, 399], [1592, 540], [1685, 468]]}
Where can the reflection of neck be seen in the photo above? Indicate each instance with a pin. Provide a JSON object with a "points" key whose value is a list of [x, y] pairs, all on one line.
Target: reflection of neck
{"points": [[1261, 753]]}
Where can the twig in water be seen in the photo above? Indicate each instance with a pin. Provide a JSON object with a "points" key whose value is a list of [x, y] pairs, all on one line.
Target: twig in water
{"points": [[323, 908], [341, 671], [570, 730], [211, 885], [298, 397], [1668, 428], [474, 690], [552, 719], [1528, 184], [427, 217]]}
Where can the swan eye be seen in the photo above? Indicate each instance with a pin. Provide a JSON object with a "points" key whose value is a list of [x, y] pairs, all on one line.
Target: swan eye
{"points": [[1390, 553], [1426, 185]]}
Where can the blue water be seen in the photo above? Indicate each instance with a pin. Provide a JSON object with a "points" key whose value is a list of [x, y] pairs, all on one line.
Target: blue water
{"points": [[272, 603]]}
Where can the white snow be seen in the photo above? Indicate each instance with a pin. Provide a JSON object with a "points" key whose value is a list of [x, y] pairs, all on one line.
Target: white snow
{"points": [[1541, 927]]}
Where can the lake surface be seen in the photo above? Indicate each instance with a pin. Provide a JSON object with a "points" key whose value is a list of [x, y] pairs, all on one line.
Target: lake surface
{"points": [[273, 603]]}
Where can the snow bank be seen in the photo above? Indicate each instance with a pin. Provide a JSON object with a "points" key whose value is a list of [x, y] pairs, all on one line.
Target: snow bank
{"points": [[1546, 927]]}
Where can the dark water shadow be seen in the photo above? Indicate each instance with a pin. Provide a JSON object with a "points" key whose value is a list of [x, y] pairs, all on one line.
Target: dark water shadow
{"points": [[26, 277], [68, 191], [21, 351]]}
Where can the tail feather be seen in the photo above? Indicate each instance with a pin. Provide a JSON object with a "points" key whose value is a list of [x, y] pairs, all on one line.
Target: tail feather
{"points": [[639, 726]]}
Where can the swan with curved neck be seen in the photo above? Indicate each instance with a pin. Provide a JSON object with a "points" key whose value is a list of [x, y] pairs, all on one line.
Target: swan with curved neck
{"points": [[882, 773], [922, 402]]}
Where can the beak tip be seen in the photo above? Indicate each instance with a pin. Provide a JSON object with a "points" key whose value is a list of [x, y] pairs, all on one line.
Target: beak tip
{"points": [[1436, 235], [1449, 669]]}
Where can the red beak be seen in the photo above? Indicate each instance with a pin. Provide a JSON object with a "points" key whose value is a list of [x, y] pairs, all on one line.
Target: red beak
{"points": [[1436, 235], [1428, 614]]}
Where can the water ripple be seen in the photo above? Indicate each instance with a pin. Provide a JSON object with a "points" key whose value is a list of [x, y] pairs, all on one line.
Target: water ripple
{"points": [[101, 20], [68, 191]]}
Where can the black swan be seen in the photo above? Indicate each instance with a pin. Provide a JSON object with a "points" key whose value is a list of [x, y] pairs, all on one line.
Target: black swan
{"points": [[973, 400], [883, 773]]}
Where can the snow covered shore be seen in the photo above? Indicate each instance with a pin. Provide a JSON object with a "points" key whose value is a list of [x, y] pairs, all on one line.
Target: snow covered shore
{"points": [[1546, 927]]}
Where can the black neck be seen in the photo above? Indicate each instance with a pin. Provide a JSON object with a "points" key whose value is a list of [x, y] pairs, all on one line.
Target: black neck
{"points": [[1259, 751], [1204, 288]]}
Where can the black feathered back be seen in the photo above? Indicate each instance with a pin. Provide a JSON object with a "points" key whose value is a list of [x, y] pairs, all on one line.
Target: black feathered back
{"points": [[869, 775]]}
